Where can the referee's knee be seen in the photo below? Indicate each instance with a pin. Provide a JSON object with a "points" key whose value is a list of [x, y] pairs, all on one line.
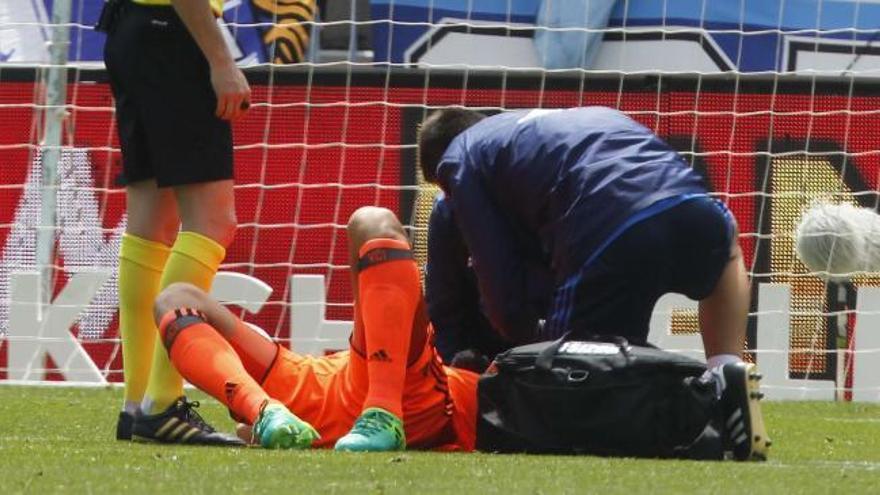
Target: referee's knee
{"points": [[223, 226], [219, 226], [228, 228]]}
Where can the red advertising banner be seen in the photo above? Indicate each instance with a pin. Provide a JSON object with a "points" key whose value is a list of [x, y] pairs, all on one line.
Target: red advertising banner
{"points": [[317, 145]]}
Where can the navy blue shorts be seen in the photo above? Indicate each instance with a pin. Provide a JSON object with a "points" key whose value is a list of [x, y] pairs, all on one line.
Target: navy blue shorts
{"points": [[682, 249]]}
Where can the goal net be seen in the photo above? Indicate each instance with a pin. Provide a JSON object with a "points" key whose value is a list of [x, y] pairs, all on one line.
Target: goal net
{"points": [[776, 106]]}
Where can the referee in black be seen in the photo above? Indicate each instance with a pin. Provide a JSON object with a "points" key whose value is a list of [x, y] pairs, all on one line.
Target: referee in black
{"points": [[177, 88]]}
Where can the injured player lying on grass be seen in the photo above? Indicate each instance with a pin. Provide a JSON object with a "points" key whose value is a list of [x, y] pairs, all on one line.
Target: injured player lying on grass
{"points": [[389, 391]]}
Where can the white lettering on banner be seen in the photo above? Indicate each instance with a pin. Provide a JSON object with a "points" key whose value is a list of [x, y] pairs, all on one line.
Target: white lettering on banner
{"points": [[774, 303], [660, 329], [81, 242], [773, 345], [37, 330], [89, 297], [773, 348], [237, 288], [866, 368], [311, 332]]}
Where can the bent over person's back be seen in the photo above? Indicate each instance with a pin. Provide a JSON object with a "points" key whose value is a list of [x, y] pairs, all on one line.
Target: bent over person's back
{"points": [[570, 177]]}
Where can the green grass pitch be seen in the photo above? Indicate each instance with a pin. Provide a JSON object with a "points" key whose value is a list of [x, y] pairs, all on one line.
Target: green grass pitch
{"points": [[61, 440]]}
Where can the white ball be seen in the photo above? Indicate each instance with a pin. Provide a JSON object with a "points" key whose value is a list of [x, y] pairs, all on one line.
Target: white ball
{"points": [[835, 240]]}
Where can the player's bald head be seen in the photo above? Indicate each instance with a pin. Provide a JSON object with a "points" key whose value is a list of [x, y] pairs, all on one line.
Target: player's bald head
{"points": [[437, 131]]}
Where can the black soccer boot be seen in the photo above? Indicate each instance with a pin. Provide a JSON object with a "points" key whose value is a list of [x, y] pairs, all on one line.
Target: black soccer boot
{"points": [[124, 425], [180, 423], [745, 437]]}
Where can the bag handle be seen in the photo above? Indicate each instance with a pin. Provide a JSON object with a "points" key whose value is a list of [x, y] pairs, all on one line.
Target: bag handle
{"points": [[544, 360]]}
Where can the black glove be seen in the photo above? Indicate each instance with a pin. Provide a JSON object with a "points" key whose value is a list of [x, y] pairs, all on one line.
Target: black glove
{"points": [[471, 360]]}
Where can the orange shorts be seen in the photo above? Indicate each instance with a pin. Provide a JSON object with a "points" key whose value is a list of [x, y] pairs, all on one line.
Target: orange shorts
{"points": [[439, 403]]}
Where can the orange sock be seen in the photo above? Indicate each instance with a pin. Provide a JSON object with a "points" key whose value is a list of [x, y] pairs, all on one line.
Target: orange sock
{"points": [[388, 297], [256, 351], [206, 360]]}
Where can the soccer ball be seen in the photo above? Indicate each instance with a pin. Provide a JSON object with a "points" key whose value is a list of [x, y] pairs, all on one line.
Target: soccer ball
{"points": [[837, 241]]}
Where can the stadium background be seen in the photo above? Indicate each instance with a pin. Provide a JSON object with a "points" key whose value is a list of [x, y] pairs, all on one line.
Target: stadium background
{"points": [[322, 140]]}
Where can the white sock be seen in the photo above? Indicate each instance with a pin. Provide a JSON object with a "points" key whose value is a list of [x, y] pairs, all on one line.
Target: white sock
{"points": [[713, 370], [146, 405], [722, 359], [132, 407]]}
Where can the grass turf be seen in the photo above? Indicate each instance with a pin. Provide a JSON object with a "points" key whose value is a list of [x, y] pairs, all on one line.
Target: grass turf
{"points": [[61, 440]]}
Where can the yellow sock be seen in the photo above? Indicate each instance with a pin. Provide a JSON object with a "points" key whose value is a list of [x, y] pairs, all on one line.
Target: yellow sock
{"points": [[140, 268], [194, 259]]}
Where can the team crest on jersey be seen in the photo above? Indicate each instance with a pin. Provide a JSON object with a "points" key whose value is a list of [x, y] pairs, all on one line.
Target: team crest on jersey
{"points": [[575, 347]]}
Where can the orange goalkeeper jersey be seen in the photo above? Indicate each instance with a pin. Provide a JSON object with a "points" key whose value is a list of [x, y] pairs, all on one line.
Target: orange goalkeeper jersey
{"points": [[439, 402]]}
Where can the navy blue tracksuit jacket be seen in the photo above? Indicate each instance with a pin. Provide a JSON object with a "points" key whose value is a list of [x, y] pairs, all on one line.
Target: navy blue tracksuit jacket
{"points": [[536, 193]]}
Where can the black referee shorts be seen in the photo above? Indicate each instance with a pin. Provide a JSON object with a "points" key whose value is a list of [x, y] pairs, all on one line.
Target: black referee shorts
{"points": [[164, 101]]}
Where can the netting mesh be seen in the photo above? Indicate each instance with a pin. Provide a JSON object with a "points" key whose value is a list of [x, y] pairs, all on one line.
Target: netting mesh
{"points": [[323, 139]]}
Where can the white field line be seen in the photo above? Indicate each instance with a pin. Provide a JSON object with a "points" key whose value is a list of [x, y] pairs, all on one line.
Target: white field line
{"points": [[859, 465], [851, 420]]}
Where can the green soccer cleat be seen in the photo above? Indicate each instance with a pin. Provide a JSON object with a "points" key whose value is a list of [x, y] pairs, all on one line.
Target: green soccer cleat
{"points": [[376, 430], [278, 428]]}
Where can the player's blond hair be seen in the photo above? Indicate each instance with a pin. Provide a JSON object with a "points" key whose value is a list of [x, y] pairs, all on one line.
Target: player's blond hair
{"points": [[837, 241]]}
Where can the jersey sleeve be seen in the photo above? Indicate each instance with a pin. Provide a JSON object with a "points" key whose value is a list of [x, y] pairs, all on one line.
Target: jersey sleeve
{"points": [[502, 273]]}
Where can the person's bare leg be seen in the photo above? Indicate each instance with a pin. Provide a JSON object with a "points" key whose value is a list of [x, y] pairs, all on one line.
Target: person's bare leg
{"points": [[208, 209], [723, 315], [152, 212], [723, 318], [150, 230], [207, 215]]}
